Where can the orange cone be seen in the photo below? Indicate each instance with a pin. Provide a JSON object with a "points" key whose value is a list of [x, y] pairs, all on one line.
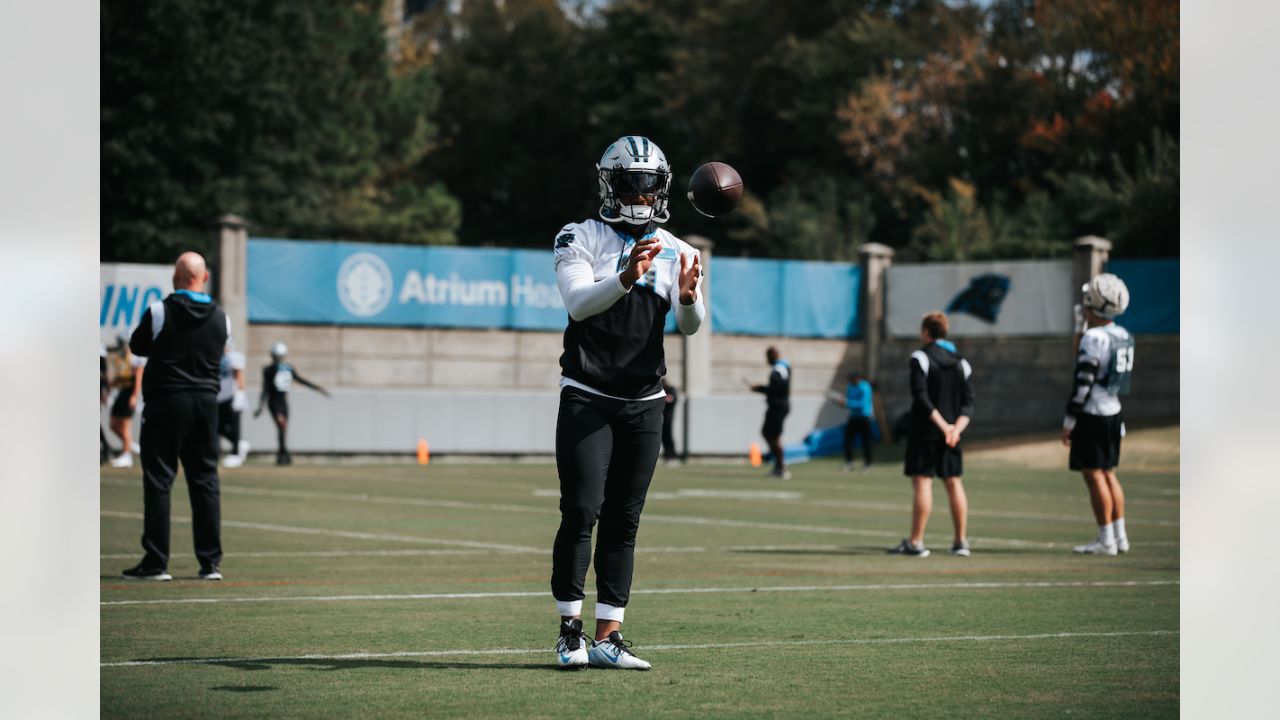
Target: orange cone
{"points": [[424, 453], [754, 454]]}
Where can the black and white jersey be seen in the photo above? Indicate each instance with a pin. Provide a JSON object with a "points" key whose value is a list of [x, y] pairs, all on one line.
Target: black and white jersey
{"points": [[1104, 366], [940, 380], [777, 393], [232, 361], [613, 343]]}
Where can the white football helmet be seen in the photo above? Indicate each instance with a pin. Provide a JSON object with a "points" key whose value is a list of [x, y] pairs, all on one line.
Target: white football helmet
{"points": [[1106, 295], [633, 166], [278, 351]]}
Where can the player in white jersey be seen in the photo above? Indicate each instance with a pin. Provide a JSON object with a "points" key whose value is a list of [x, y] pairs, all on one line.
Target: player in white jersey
{"points": [[619, 277], [1093, 425]]}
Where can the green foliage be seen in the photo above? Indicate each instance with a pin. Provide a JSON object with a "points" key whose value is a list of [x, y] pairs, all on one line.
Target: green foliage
{"points": [[285, 113], [945, 129]]}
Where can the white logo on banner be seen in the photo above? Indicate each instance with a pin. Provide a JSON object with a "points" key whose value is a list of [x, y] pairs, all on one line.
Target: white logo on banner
{"points": [[364, 284]]}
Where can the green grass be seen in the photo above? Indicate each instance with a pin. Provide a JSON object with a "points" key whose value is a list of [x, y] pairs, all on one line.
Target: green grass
{"points": [[859, 648]]}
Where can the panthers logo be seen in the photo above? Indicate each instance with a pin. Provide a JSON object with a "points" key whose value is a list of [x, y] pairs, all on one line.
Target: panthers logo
{"points": [[564, 240]]}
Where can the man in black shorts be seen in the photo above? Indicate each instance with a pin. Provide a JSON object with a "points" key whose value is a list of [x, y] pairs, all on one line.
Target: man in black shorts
{"points": [[941, 406], [619, 276], [1093, 425], [126, 370], [277, 379], [777, 398]]}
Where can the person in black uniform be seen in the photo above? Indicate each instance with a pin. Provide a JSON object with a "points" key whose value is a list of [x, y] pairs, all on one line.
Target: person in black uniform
{"points": [[941, 406], [183, 337], [669, 424], [277, 378], [619, 276], [777, 395]]}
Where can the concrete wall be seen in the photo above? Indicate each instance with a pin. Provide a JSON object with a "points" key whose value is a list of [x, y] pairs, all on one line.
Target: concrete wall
{"points": [[493, 391]]}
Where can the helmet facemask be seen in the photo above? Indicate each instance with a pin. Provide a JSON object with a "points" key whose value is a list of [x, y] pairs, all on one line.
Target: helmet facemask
{"points": [[633, 168]]}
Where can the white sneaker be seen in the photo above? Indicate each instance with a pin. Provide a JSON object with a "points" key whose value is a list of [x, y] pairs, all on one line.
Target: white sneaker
{"points": [[1122, 544], [242, 449], [571, 648], [135, 448], [615, 653], [123, 460], [1097, 547], [232, 461]]}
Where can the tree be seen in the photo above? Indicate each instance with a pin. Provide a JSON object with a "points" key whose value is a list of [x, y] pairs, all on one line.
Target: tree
{"points": [[285, 113]]}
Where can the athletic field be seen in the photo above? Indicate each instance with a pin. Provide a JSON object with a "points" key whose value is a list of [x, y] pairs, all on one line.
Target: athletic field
{"points": [[404, 591]]}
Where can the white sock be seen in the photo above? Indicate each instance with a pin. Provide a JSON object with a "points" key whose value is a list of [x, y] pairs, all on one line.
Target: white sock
{"points": [[1119, 526], [1107, 534]]}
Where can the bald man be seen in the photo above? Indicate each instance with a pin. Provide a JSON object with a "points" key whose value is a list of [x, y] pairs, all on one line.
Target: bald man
{"points": [[183, 337]]}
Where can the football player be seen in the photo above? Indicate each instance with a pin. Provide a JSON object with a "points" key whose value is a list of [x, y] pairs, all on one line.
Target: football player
{"points": [[619, 276], [277, 378], [1093, 426], [231, 401], [126, 378]]}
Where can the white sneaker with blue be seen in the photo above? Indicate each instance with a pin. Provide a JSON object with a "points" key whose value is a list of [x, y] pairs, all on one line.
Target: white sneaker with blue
{"points": [[615, 653], [571, 648]]}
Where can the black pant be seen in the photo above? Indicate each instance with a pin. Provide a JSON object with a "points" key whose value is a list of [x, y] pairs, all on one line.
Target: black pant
{"points": [[181, 427], [229, 425], [861, 427], [606, 450], [668, 427]]}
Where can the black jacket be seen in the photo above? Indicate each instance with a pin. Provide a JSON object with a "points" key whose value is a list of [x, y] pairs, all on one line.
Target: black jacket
{"points": [[939, 379], [183, 338]]}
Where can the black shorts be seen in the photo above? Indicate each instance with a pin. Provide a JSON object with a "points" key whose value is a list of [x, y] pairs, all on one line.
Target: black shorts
{"points": [[278, 405], [773, 418], [120, 407], [929, 456], [1095, 442]]}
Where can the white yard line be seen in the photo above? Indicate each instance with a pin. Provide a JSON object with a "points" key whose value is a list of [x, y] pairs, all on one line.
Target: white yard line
{"points": [[470, 652], [346, 534], [659, 591], [393, 553]]}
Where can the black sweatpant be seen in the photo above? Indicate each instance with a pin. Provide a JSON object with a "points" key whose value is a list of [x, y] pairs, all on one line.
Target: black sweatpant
{"points": [[606, 451], [229, 425], [860, 427], [181, 428]]}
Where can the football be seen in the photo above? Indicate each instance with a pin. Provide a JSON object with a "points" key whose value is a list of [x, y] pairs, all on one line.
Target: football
{"points": [[715, 188]]}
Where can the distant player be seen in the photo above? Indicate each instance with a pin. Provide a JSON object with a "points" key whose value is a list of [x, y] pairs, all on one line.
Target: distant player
{"points": [[231, 402], [777, 397], [941, 407], [619, 277], [277, 379], [126, 378], [858, 401], [669, 454], [1093, 425]]}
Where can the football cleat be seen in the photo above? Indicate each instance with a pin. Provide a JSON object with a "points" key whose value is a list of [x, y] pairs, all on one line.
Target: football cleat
{"points": [[1097, 547], [571, 648], [960, 549], [615, 653], [907, 548], [141, 572]]}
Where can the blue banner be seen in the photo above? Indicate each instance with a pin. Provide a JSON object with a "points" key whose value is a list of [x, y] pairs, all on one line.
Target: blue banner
{"points": [[785, 297], [341, 283], [1155, 299]]}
